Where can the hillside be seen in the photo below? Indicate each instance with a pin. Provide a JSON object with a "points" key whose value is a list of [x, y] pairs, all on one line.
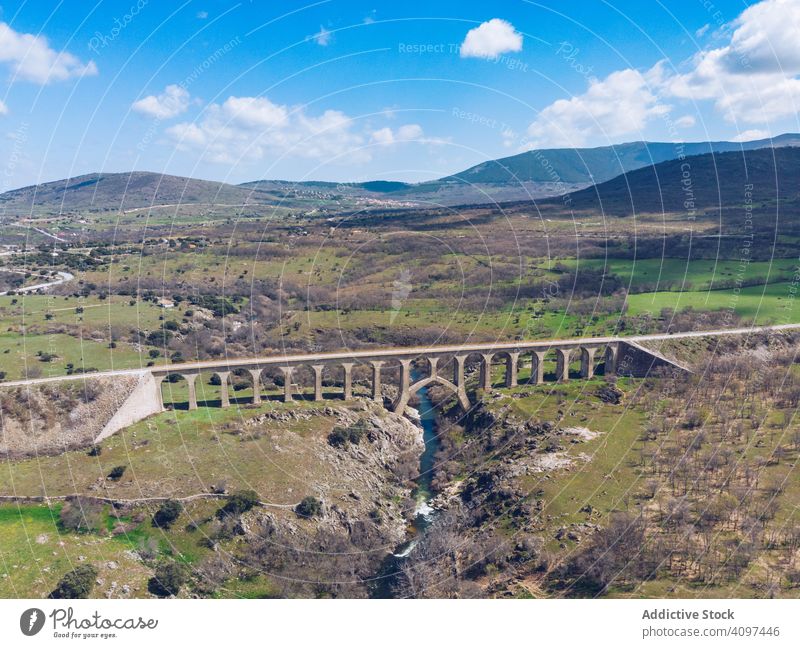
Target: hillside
{"points": [[697, 184], [591, 165], [123, 191]]}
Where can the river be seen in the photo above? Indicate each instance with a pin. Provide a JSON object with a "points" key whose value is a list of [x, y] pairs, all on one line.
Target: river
{"points": [[423, 514]]}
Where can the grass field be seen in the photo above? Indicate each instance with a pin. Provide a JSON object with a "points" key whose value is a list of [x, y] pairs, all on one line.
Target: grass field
{"points": [[677, 275], [773, 303]]}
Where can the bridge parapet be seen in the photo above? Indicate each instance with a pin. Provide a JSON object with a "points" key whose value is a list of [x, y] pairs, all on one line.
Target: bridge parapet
{"points": [[617, 355]]}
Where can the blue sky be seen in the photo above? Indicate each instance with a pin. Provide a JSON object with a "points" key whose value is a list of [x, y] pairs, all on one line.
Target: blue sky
{"points": [[344, 90]]}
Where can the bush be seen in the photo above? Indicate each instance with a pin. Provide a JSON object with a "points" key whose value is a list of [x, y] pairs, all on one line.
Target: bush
{"points": [[167, 514], [309, 507], [338, 437], [76, 584], [116, 473], [610, 394], [95, 451], [341, 436], [168, 579], [81, 514], [238, 503]]}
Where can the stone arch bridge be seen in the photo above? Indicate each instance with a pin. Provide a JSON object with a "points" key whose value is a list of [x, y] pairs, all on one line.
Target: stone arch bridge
{"points": [[617, 356], [443, 365], [446, 366]]}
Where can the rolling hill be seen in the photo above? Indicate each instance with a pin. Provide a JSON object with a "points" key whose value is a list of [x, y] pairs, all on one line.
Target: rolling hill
{"points": [[123, 191], [593, 165], [531, 175], [698, 184]]}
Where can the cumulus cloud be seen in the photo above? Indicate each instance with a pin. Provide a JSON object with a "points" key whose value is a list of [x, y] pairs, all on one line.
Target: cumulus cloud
{"points": [[407, 133], [32, 58], [687, 121], [3, 108], [490, 39], [753, 78], [248, 128], [170, 103], [622, 103]]}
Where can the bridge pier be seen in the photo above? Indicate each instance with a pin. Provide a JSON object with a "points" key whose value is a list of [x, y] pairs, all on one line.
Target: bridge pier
{"points": [[225, 400], [537, 368], [190, 379], [587, 361], [317, 381], [348, 380], [287, 384], [458, 381], [562, 364], [512, 363], [486, 371], [432, 362], [377, 395], [405, 387], [611, 359], [256, 375]]}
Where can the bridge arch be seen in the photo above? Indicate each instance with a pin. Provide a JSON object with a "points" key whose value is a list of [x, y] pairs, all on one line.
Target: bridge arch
{"points": [[461, 393]]}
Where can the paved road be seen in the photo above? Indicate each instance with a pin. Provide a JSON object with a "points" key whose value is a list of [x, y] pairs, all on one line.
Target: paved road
{"points": [[375, 354], [63, 277]]}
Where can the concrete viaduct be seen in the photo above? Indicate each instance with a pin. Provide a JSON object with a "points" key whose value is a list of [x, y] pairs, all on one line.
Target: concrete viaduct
{"points": [[624, 356], [619, 356]]}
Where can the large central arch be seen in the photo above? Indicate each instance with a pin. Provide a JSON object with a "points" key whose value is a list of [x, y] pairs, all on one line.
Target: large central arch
{"points": [[407, 389]]}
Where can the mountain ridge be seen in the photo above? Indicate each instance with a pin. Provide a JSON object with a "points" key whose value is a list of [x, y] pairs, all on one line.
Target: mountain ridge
{"points": [[537, 174]]}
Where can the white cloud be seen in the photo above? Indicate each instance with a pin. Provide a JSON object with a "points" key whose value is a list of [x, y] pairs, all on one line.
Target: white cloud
{"points": [[32, 58], [750, 135], [621, 104], [170, 103], [255, 112], [406, 133], [702, 31], [3, 108], [249, 128], [753, 78], [322, 37], [202, 15], [490, 39]]}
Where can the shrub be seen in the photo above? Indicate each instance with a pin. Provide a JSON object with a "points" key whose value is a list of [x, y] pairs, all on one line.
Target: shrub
{"points": [[238, 503], [116, 473], [610, 394], [309, 507], [341, 436], [338, 437], [168, 579], [167, 514], [76, 584], [81, 514], [95, 451]]}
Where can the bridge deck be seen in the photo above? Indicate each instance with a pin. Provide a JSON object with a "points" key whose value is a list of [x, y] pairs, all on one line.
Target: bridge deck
{"points": [[403, 353]]}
